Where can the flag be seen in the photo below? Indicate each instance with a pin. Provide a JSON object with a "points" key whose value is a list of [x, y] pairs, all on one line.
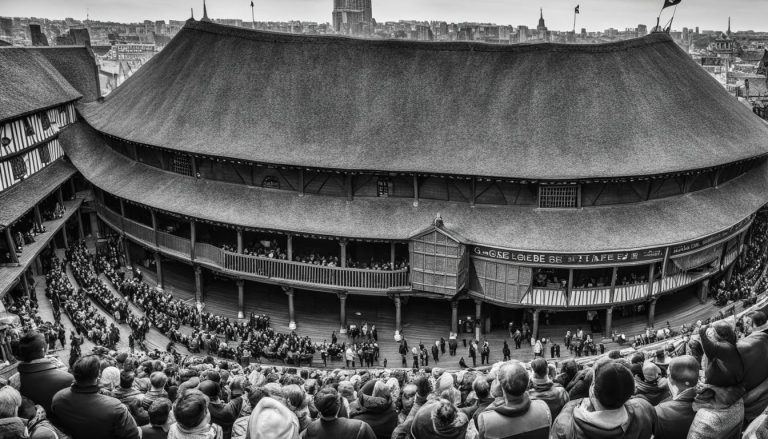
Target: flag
{"points": [[251, 4], [576, 11], [668, 3]]}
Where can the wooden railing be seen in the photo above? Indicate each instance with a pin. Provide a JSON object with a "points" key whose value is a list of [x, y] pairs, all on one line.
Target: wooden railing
{"points": [[589, 296], [630, 293], [258, 266]]}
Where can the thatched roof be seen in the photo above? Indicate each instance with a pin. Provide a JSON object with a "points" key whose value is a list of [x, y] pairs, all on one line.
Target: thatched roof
{"points": [[22, 197], [29, 83], [540, 111], [617, 227], [77, 65]]}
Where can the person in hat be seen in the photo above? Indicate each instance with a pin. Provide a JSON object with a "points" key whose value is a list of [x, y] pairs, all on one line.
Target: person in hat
{"points": [[375, 407], [515, 414], [652, 386], [439, 419], [674, 416], [609, 411], [330, 425], [754, 351], [272, 420]]}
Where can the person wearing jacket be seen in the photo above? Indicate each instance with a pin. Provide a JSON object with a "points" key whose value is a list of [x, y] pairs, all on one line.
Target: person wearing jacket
{"points": [[543, 388], [374, 406], [39, 377], [193, 419], [515, 415], [83, 413], [271, 419], [482, 390], [608, 411], [439, 419], [674, 416], [651, 386], [754, 350], [330, 425], [222, 414]]}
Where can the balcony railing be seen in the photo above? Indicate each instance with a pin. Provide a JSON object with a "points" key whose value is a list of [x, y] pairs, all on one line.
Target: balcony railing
{"points": [[279, 269]]}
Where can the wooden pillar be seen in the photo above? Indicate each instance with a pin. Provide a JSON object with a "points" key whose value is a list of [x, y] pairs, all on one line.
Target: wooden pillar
{"points": [[570, 282], [703, 291], [72, 187], [474, 193], [343, 247], [535, 324], [60, 196], [415, 190], [729, 273], [64, 235], [240, 293], [193, 162], [392, 254], [651, 275], [122, 215], [478, 317], [192, 238], [199, 297], [11, 245], [159, 265], [38, 217], [398, 305], [80, 228], [614, 276], [127, 250], [608, 322], [343, 312], [301, 182], [651, 313], [291, 310], [240, 241], [154, 226], [348, 185], [455, 316], [27, 290], [289, 246]]}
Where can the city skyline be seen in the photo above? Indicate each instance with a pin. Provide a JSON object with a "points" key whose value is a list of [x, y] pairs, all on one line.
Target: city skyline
{"points": [[597, 15]]}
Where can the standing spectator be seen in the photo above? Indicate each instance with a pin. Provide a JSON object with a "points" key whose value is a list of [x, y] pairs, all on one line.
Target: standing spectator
{"points": [[193, 419], [483, 399], [652, 387], [543, 388], [83, 413], [11, 425], [158, 419], [515, 415], [674, 417], [330, 425], [271, 419], [439, 419], [222, 414], [754, 351], [158, 381], [485, 353], [374, 406], [39, 378], [608, 412]]}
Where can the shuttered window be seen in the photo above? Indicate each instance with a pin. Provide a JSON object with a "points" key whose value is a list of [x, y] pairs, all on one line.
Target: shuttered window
{"points": [[18, 167], [558, 196], [45, 154], [181, 164]]}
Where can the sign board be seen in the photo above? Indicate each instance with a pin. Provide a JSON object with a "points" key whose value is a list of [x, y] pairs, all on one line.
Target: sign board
{"points": [[541, 258]]}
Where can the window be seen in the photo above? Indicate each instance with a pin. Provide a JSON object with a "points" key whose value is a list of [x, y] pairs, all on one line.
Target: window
{"points": [[181, 164], [383, 187], [45, 154], [44, 121], [28, 130], [18, 167], [559, 197], [270, 182], [5, 142]]}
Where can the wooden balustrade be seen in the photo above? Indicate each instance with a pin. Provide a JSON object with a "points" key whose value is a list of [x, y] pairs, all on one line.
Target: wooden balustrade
{"points": [[139, 231], [209, 252], [174, 243]]}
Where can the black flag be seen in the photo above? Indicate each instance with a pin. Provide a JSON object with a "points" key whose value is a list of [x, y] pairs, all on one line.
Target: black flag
{"points": [[251, 4], [668, 3], [576, 11]]}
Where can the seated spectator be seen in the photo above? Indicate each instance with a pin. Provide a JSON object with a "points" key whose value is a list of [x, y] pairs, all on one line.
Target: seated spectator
{"points": [[193, 419], [39, 378], [272, 419], [11, 425], [374, 406], [222, 414], [515, 415], [330, 426], [158, 426], [83, 413], [674, 417], [754, 352], [544, 389], [608, 412], [651, 387]]}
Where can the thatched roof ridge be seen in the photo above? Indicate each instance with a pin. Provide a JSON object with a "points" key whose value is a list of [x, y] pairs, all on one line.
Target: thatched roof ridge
{"points": [[607, 228], [77, 64], [535, 111], [22, 197]]}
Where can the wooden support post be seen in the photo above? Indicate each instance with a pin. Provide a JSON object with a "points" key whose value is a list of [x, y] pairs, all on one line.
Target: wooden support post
{"points": [[392, 254], [291, 310], [570, 283], [122, 214], [614, 277], [127, 249], [652, 313], [193, 162], [651, 275], [199, 296], [343, 312], [240, 297], [478, 318], [415, 190], [301, 182], [455, 316], [608, 322], [474, 193], [703, 291], [94, 225], [192, 238], [159, 266], [60, 196], [27, 290], [11, 245], [343, 247], [398, 314], [80, 228], [289, 246], [536, 324], [154, 226], [38, 217], [72, 187], [240, 241], [349, 185], [64, 235]]}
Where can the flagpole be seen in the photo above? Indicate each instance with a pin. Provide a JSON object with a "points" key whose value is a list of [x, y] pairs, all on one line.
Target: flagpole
{"points": [[253, 17], [574, 22], [669, 25]]}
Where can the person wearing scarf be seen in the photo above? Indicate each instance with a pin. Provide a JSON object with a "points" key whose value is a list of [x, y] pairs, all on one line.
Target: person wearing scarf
{"points": [[193, 421]]}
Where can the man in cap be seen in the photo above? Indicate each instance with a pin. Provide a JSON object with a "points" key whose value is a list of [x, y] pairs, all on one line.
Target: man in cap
{"points": [[674, 417]]}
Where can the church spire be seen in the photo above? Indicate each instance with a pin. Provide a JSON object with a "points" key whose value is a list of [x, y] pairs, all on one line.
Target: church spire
{"points": [[729, 26], [205, 13]]}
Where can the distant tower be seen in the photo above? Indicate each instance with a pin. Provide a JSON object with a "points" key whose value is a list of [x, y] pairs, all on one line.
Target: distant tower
{"points": [[541, 27], [205, 13], [729, 26]]}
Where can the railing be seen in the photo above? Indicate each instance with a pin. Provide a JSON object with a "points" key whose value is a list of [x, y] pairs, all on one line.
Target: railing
{"points": [[109, 216], [318, 274], [175, 243], [546, 297], [139, 231], [678, 280], [629, 293], [589, 296], [730, 257], [209, 252]]}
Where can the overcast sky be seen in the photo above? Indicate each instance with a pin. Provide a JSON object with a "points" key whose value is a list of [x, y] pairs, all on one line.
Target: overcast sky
{"points": [[595, 14]]}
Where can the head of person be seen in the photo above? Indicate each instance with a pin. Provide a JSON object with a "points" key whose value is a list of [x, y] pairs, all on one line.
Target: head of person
{"points": [[32, 346], [328, 402], [191, 409], [423, 386], [408, 397], [272, 419], [612, 385], [110, 377], [444, 415], [347, 391], [540, 368], [159, 410], [210, 389], [295, 397], [758, 318], [651, 372], [158, 380], [513, 379], [126, 379], [86, 370], [452, 394], [481, 387], [723, 331], [10, 401], [683, 374]]}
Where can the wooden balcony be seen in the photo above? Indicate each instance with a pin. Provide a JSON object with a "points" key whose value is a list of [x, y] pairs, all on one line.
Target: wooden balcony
{"points": [[255, 267]]}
